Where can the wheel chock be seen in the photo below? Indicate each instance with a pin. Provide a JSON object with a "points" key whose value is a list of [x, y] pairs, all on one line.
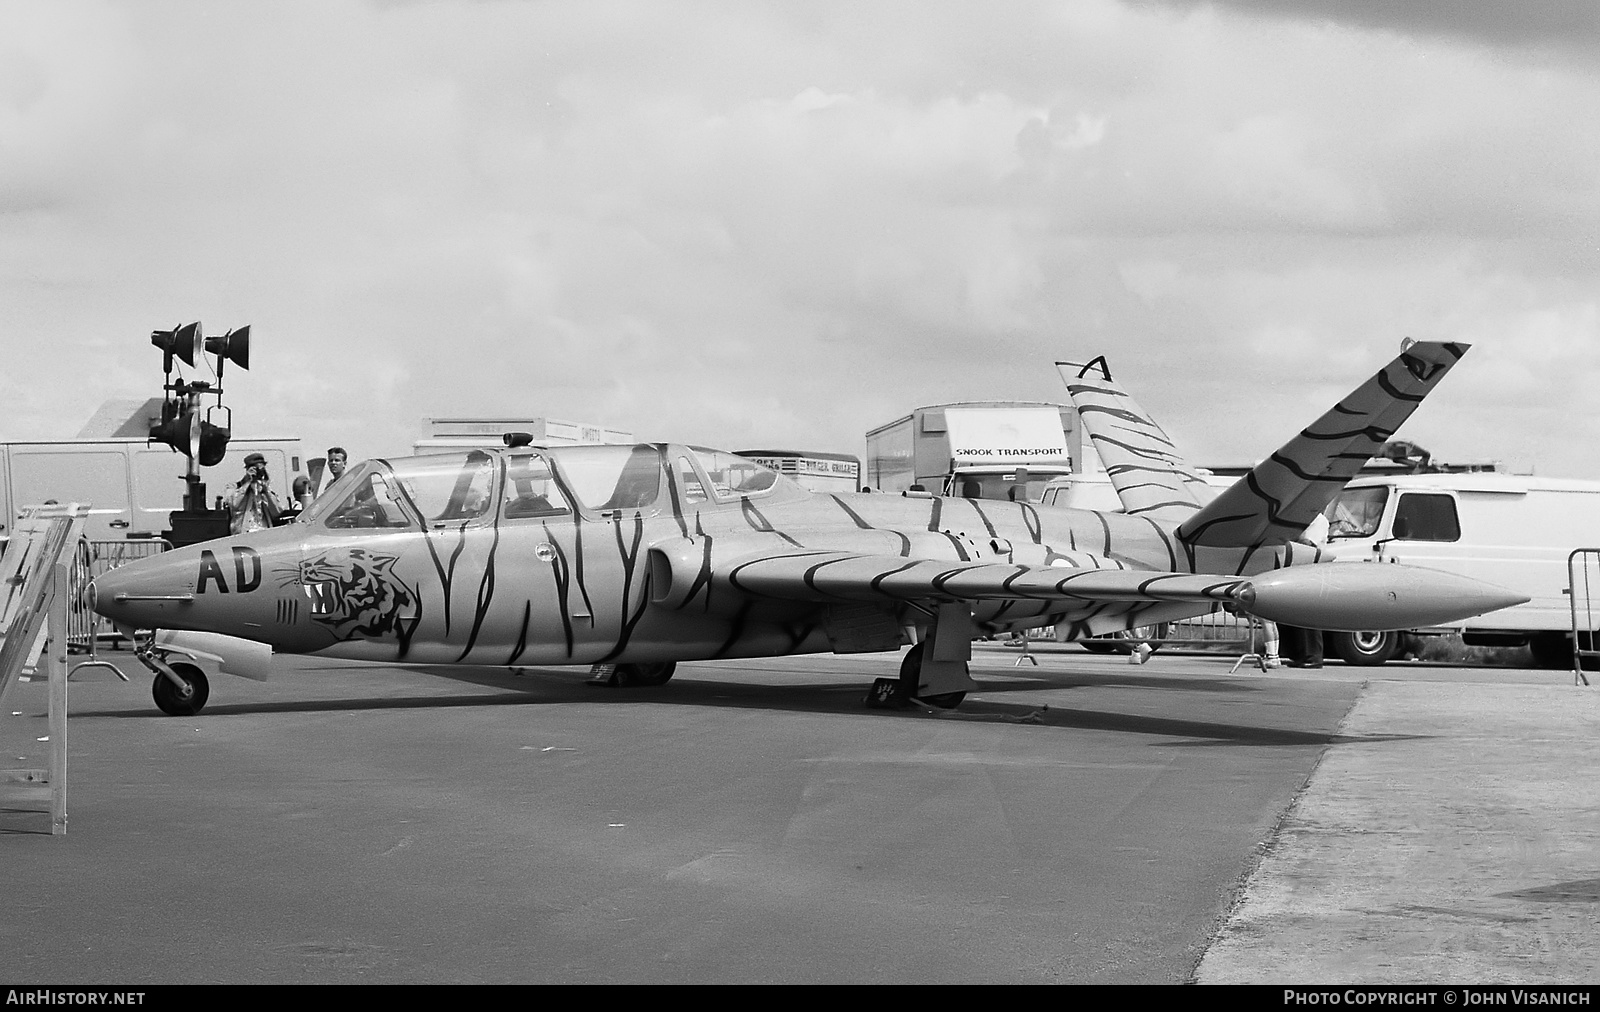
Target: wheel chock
{"points": [[886, 694]]}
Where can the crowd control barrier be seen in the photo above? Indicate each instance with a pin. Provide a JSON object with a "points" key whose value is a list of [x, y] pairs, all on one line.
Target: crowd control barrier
{"points": [[1583, 577], [91, 560]]}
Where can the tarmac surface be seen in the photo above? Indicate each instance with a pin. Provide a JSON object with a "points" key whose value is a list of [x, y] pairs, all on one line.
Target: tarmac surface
{"points": [[1085, 821]]}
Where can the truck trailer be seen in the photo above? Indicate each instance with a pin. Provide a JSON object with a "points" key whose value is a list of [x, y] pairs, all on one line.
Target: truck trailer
{"points": [[814, 470], [1515, 531], [973, 449]]}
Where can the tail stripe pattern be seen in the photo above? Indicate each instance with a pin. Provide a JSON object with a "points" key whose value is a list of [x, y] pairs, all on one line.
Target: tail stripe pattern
{"points": [[1280, 496]]}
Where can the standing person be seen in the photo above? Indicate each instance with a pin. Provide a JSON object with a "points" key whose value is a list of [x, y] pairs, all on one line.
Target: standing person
{"points": [[252, 503], [1269, 645], [1303, 647], [336, 462], [337, 458]]}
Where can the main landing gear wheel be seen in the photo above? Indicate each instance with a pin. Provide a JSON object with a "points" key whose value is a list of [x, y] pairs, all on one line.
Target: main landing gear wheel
{"points": [[646, 674], [184, 702], [911, 678]]}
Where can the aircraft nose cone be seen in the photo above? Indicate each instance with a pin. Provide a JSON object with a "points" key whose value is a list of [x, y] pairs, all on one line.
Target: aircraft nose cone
{"points": [[144, 594]]}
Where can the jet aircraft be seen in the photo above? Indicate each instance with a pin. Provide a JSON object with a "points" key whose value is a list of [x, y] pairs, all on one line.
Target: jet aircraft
{"points": [[635, 557]]}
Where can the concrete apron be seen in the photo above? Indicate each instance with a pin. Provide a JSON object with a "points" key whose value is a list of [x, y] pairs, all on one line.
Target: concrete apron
{"points": [[1451, 834]]}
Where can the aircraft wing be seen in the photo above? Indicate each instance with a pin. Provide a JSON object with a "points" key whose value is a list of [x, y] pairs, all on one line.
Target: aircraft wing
{"points": [[1150, 476], [1327, 595], [843, 576]]}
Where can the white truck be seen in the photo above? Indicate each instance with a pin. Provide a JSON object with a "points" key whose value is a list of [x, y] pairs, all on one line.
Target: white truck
{"points": [[130, 484], [484, 433], [1515, 531], [973, 449]]}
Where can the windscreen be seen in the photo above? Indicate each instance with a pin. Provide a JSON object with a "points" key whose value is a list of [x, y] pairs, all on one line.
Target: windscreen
{"points": [[531, 489], [733, 476], [366, 498], [607, 478], [441, 490], [449, 488], [1356, 513]]}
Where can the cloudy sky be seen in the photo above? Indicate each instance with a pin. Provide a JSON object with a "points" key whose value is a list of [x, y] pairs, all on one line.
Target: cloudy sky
{"points": [[786, 223]]}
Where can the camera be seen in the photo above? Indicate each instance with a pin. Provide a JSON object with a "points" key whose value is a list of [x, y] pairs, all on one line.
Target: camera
{"points": [[254, 474]]}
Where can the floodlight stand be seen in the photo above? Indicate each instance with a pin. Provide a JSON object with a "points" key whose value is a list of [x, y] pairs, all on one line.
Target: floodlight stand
{"points": [[195, 523]]}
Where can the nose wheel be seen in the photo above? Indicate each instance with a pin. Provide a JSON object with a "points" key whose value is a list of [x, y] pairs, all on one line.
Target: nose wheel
{"points": [[188, 696], [180, 687]]}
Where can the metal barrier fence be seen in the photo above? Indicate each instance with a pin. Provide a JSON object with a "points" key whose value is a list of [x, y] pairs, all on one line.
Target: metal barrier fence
{"points": [[1220, 630], [92, 559], [1223, 631], [1583, 575]]}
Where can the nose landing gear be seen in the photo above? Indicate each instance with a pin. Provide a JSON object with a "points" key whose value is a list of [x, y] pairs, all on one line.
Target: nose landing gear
{"points": [[180, 687]]}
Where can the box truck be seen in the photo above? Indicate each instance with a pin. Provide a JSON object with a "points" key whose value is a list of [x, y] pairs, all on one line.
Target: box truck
{"points": [[972, 449], [1515, 531]]}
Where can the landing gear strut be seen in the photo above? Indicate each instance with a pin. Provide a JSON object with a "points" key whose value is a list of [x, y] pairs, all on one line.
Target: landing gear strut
{"points": [[936, 670], [911, 678]]}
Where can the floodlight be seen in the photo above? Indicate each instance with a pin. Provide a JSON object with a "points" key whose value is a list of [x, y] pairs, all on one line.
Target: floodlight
{"points": [[213, 444], [234, 346], [179, 428], [182, 341]]}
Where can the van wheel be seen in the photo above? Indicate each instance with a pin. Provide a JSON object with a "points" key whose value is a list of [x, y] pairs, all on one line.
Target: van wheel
{"points": [[1366, 649], [1551, 650], [1554, 650]]}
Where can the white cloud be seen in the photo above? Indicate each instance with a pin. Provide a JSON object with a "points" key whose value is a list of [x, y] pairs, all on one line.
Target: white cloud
{"points": [[748, 224]]}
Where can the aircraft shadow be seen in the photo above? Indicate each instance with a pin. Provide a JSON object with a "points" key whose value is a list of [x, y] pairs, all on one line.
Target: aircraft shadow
{"points": [[559, 686], [1024, 679], [24, 822]]}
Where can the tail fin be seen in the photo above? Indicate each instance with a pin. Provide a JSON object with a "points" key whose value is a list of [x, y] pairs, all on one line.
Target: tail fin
{"points": [[1280, 496], [1150, 476]]}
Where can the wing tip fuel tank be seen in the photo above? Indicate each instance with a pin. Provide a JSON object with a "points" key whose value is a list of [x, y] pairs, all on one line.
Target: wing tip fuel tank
{"points": [[1370, 596]]}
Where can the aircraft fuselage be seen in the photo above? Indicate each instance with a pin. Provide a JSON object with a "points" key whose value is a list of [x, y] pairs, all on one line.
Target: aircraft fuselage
{"points": [[588, 585]]}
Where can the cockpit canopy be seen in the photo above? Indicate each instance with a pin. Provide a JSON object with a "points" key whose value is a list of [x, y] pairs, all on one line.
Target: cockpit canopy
{"points": [[597, 482]]}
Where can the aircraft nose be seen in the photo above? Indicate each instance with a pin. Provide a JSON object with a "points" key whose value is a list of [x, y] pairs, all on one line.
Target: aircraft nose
{"points": [[146, 594]]}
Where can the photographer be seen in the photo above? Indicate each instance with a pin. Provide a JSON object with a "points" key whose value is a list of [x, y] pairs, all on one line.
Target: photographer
{"points": [[252, 503]]}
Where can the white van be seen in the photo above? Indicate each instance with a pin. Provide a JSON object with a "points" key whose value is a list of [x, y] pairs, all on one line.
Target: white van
{"points": [[1514, 531], [130, 485], [1090, 490]]}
